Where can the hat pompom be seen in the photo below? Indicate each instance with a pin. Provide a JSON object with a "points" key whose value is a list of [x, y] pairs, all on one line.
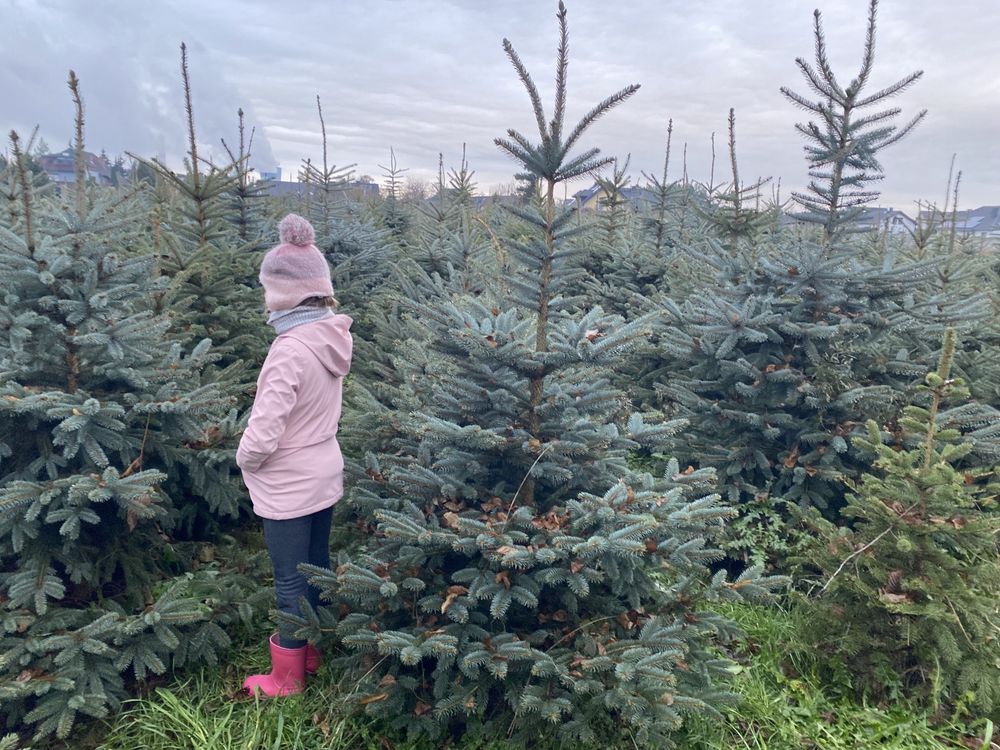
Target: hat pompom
{"points": [[295, 230]]}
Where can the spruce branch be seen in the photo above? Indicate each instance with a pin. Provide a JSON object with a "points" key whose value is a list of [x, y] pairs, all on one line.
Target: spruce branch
{"points": [[529, 85], [940, 385], [597, 112], [857, 552], [189, 110], [562, 64], [78, 155], [868, 60], [22, 175]]}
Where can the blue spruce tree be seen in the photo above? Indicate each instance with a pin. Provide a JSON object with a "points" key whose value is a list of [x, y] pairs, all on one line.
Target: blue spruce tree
{"points": [[516, 573], [94, 411]]}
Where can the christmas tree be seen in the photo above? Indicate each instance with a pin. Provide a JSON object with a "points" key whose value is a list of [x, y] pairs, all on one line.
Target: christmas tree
{"points": [[843, 148], [913, 586], [517, 574], [210, 260], [94, 410], [797, 340]]}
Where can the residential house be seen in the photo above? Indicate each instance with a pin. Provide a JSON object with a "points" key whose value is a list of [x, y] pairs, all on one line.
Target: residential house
{"points": [[591, 199], [872, 219], [61, 167], [979, 222], [884, 219]]}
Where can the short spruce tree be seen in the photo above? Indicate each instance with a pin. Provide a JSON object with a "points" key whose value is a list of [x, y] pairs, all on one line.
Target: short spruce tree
{"points": [[517, 576], [912, 588]]}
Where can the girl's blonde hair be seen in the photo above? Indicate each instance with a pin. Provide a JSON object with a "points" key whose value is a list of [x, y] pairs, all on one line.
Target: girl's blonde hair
{"points": [[319, 302]]}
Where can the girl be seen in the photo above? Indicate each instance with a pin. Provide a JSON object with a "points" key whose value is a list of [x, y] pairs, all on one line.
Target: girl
{"points": [[289, 455]]}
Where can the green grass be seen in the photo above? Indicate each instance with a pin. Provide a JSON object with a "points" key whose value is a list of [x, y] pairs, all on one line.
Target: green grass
{"points": [[207, 711], [787, 706]]}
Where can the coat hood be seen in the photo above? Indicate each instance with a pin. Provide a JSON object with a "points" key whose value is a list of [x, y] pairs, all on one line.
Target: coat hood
{"points": [[329, 340]]}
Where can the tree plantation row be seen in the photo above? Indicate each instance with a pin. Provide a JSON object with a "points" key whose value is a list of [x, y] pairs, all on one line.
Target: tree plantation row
{"points": [[570, 436]]}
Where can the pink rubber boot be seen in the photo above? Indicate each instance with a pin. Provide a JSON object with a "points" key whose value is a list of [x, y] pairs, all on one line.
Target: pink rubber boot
{"points": [[314, 657], [288, 673]]}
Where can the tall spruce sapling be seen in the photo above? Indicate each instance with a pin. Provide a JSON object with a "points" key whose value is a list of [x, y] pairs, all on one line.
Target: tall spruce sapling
{"points": [[613, 243], [95, 582], [736, 212], [645, 262], [967, 269], [12, 188], [360, 253], [503, 584], [914, 583], [663, 192], [212, 290], [248, 197], [322, 184], [854, 127], [393, 359], [450, 239], [392, 211]]}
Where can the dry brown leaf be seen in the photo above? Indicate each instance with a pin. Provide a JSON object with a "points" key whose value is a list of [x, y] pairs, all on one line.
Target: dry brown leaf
{"points": [[323, 723], [373, 698], [493, 504], [453, 593], [893, 580], [793, 458]]}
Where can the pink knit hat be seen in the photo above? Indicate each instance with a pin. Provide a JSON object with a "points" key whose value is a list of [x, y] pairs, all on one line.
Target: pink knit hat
{"points": [[294, 270]]}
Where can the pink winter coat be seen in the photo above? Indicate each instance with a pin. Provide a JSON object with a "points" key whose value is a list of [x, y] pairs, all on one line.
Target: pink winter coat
{"points": [[289, 454]]}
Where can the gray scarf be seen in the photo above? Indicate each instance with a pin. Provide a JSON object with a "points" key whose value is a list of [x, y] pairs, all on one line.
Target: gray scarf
{"points": [[283, 320]]}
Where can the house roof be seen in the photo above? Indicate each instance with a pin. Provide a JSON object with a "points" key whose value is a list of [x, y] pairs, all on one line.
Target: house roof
{"points": [[878, 215], [982, 220], [636, 195], [65, 161]]}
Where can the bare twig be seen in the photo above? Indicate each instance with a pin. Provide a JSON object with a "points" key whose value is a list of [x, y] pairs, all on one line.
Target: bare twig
{"points": [[852, 556]]}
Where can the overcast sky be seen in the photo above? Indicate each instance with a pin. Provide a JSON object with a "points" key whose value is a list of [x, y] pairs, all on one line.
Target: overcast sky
{"points": [[426, 76]]}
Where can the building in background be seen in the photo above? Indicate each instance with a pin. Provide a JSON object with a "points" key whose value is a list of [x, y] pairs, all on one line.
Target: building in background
{"points": [[61, 167]]}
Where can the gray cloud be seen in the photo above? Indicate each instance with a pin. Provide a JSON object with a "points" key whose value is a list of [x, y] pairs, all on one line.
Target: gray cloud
{"points": [[424, 76]]}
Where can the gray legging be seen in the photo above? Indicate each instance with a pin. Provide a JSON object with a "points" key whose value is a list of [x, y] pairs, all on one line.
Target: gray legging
{"points": [[290, 542]]}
